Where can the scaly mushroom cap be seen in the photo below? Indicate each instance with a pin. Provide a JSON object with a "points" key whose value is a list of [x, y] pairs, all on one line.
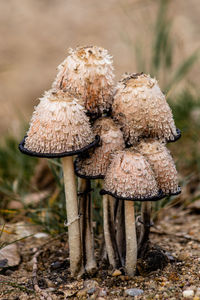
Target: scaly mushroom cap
{"points": [[88, 74], [59, 124], [98, 160], [141, 109], [130, 176], [162, 164]]}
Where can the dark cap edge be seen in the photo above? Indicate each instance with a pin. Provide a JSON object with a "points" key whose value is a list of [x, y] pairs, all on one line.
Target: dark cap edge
{"points": [[56, 155]]}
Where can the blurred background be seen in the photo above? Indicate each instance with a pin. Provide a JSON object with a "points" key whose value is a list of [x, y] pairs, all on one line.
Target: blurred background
{"points": [[159, 37]]}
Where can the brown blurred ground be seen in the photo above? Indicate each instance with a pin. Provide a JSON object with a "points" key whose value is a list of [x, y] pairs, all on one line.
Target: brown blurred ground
{"points": [[35, 36]]}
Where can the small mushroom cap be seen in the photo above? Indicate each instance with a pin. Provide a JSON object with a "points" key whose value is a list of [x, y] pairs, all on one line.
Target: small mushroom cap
{"points": [[96, 163], [162, 164], [141, 109], [59, 124], [88, 74], [130, 176]]}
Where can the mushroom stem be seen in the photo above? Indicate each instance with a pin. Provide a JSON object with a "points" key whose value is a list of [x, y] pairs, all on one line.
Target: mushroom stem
{"points": [[86, 225], [74, 235], [120, 229], [145, 228], [109, 231], [131, 242]]}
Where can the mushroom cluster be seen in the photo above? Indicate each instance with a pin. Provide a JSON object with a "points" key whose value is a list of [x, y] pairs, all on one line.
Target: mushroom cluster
{"points": [[119, 134]]}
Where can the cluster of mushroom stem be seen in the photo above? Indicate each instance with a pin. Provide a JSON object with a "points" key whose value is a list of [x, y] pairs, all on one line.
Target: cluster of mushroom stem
{"points": [[84, 114]]}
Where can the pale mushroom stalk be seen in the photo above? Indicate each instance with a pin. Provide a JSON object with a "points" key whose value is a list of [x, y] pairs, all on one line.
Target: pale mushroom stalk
{"points": [[74, 234], [131, 242], [109, 231], [130, 178], [144, 227], [120, 229], [85, 203]]}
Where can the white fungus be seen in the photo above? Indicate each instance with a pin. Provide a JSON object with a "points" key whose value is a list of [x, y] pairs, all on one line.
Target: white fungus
{"points": [[59, 124], [130, 176], [88, 74], [141, 109]]}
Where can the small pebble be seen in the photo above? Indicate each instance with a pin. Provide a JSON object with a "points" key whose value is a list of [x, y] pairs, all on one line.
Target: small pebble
{"points": [[102, 293], [188, 293], [116, 273], [134, 292], [91, 291]]}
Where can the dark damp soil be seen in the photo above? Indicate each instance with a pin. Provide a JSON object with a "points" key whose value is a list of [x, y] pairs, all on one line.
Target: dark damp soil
{"points": [[171, 266]]}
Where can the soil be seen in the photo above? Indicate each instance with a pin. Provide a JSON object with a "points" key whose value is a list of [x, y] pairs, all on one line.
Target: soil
{"points": [[175, 252]]}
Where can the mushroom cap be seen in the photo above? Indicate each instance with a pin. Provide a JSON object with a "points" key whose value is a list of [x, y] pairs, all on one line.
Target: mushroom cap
{"points": [[59, 124], [130, 176], [162, 164], [88, 74], [95, 164], [141, 109]]}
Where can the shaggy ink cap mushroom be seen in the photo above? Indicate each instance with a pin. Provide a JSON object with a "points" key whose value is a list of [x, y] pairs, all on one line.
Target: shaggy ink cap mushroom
{"points": [[141, 110], [59, 127], [96, 161], [130, 177], [162, 164], [88, 74]]}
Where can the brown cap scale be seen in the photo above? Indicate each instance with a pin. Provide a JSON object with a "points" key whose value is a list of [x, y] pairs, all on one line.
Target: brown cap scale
{"points": [[95, 164], [88, 73], [130, 177], [162, 164], [59, 127], [141, 109]]}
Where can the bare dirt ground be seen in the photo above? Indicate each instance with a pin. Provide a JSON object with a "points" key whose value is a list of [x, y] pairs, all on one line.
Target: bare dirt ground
{"points": [[177, 234]]}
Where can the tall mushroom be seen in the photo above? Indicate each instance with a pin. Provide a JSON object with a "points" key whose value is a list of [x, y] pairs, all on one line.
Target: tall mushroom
{"points": [[129, 177], [141, 110], [88, 74], [93, 165], [60, 128]]}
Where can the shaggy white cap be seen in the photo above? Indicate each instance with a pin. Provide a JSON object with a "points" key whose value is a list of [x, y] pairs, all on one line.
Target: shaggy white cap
{"points": [[99, 158], [141, 109], [162, 164], [88, 74], [58, 124], [130, 176]]}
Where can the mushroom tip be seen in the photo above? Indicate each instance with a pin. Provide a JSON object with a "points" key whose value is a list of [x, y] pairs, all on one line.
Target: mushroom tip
{"points": [[88, 73]]}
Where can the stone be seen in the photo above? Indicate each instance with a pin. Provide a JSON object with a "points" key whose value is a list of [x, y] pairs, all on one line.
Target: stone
{"points": [[134, 292], [91, 291], [116, 273], [10, 255], [188, 293]]}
